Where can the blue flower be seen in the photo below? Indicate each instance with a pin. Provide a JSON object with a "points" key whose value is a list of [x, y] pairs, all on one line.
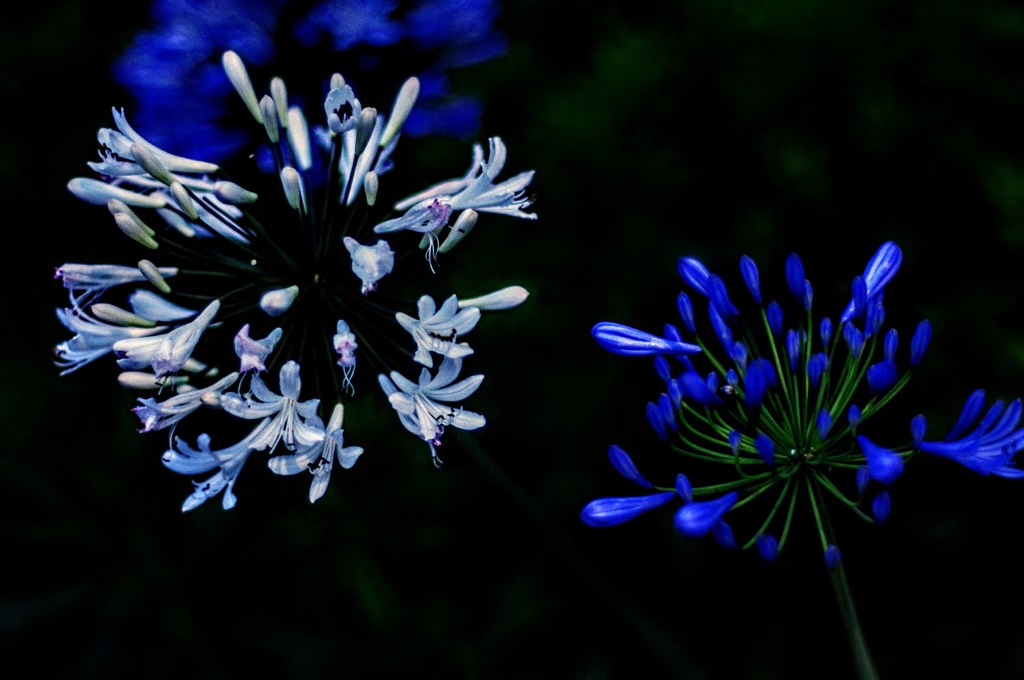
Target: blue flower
{"points": [[182, 98], [989, 448], [784, 413]]}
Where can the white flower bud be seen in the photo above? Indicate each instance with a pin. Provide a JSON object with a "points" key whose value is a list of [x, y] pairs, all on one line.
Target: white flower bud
{"points": [[276, 302], [239, 77], [506, 298]]}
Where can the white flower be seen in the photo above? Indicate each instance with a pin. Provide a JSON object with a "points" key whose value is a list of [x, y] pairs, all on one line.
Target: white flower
{"points": [[289, 414], [93, 338], [345, 345], [319, 458], [156, 415], [165, 353], [89, 280], [370, 263], [419, 404], [185, 460], [437, 330], [342, 108], [253, 353]]}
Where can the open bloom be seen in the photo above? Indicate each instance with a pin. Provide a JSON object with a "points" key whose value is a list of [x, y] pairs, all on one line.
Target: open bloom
{"points": [[288, 277], [782, 407]]}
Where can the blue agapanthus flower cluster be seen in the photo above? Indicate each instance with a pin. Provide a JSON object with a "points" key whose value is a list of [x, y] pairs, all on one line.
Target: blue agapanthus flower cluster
{"points": [[781, 404], [182, 97]]}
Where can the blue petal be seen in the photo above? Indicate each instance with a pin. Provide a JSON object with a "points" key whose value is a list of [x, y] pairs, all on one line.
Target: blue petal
{"points": [[795, 276], [698, 518]]}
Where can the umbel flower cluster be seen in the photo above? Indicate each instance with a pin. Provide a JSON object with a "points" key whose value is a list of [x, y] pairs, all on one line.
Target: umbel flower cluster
{"points": [[241, 294], [780, 404], [183, 101]]}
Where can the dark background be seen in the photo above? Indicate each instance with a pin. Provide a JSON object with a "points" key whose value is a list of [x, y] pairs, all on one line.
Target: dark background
{"points": [[704, 128]]}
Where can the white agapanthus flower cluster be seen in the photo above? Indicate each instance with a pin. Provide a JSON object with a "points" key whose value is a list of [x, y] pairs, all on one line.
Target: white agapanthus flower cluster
{"points": [[291, 278]]}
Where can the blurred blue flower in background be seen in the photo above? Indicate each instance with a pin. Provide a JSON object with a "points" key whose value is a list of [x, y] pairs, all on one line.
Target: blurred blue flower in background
{"points": [[182, 96]]}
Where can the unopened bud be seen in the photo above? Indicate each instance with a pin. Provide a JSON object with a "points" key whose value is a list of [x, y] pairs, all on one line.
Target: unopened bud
{"points": [[298, 138], [364, 128], [269, 112], [276, 302], [465, 222], [403, 106], [370, 185], [145, 158], [506, 298], [184, 200], [120, 317], [280, 95], [233, 194], [291, 182], [239, 77], [155, 276]]}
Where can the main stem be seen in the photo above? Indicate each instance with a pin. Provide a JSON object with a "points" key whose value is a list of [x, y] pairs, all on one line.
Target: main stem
{"points": [[861, 657]]}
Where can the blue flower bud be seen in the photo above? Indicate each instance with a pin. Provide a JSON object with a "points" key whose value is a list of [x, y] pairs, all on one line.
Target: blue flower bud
{"points": [[863, 477], [694, 388], [853, 416], [854, 340], [748, 268], [884, 465], [832, 557], [661, 367], [657, 422], [859, 302], [826, 332], [675, 393], [919, 343], [774, 313], [694, 273], [732, 379], [765, 448], [623, 464], [720, 327], [683, 488], [880, 507], [793, 348], [816, 366], [759, 377], [723, 535], [892, 340], [808, 295], [698, 518], [824, 423], [795, 276], [875, 316], [606, 512], [767, 547], [735, 439], [739, 355], [881, 376], [718, 296], [668, 412], [627, 341], [685, 307], [882, 266], [918, 425]]}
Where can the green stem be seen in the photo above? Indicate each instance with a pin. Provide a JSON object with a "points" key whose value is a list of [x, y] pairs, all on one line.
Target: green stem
{"points": [[862, 658]]}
